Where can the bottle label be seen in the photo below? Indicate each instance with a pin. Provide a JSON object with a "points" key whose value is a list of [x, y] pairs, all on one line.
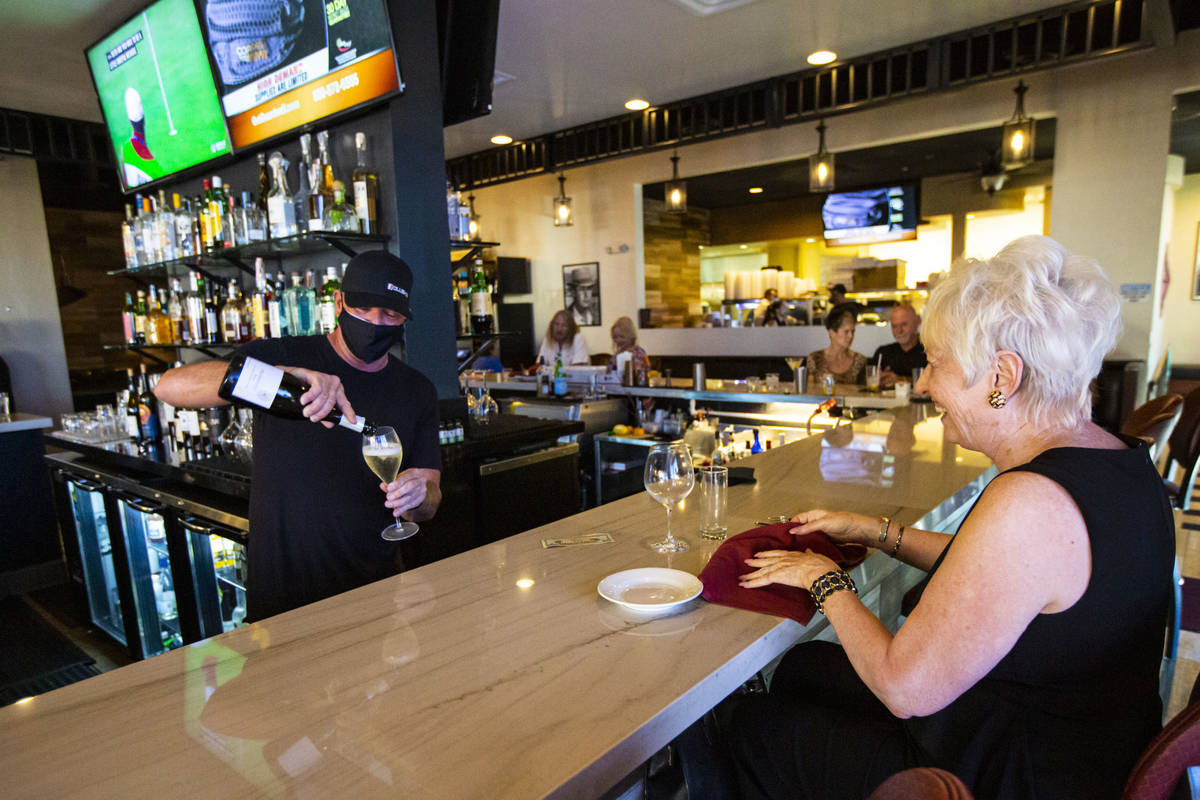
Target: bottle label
{"points": [[479, 304], [328, 317], [258, 383], [354, 426], [360, 199], [273, 318], [315, 224]]}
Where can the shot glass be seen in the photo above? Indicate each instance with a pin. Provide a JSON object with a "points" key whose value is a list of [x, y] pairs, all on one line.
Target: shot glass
{"points": [[901, 390], [872, 377], [713, 483]]}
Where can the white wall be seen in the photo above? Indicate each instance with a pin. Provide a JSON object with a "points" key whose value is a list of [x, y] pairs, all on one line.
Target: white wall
{"points": [[31, 340], [1113, 124], [1181, 312]]}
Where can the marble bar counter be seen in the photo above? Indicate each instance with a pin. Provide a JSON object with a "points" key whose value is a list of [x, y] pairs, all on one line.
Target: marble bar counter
{"points": [[495, 673]]}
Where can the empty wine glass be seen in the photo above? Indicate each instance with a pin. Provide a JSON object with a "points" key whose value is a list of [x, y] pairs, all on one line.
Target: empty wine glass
{"points": [[383, 453], [669, 479]]}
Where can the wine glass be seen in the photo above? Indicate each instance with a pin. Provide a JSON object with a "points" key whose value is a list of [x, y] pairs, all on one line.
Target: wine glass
{"points": [[383, 452], [669, 479]]}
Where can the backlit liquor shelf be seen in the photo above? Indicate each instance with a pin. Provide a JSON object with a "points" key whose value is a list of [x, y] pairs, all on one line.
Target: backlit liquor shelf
{"points": [[242, 256]]}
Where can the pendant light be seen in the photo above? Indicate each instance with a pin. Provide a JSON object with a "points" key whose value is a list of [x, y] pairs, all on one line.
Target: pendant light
{"points": [[820, 165], [562, 205], [676, 190], [473, 226], [1017, 150]]}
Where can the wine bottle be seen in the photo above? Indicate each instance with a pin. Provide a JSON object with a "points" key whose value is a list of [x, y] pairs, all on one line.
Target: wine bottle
{"points": [[148, 426], [249, 381], [481, 301], [127, 320], [132, 428]]}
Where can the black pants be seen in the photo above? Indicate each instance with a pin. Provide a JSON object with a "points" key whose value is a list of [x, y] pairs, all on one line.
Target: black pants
{"points": [[819, 734]]}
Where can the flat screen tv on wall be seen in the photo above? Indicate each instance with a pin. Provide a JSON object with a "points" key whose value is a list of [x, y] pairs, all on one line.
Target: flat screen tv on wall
{"points": [[157, 94], [284, 64], [866, 216]]}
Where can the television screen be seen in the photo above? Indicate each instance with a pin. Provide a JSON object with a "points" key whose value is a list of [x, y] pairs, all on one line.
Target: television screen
{"points": [[888, 214], [157, 95], [286, 63]]}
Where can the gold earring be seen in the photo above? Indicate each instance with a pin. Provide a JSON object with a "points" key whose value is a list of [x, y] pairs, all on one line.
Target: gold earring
{"points": [[996, 399]]}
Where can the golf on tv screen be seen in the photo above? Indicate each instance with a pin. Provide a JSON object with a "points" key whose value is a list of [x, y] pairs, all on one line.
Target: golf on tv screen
{"points": [[157, 94], [888, 214], [281, 64]]}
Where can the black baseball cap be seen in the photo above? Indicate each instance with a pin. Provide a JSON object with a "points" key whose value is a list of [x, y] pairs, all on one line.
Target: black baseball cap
{"points": [[378, 279]]}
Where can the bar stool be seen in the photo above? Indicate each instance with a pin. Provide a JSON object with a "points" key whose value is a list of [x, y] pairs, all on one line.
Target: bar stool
{"points": [[1183, 449], [1154, 421]]}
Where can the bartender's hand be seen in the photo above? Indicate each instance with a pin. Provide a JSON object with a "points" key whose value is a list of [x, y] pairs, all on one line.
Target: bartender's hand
{"points": [[842, 527], [415, 493], [887, 378], [324, 393], [787, 567]]}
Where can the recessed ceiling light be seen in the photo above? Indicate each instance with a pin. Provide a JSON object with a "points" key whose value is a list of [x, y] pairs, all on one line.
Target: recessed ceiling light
{"points": [[821, 57], [755, 190], [742, 246], [970, 216], [637, 104], [500, 138], [810, 240]]}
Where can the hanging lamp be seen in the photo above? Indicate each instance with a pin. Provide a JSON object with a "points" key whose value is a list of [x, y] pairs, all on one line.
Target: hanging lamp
{"points": [[675, 189], [473, 225], [1017, 150], [562, 205], [820, 165]]}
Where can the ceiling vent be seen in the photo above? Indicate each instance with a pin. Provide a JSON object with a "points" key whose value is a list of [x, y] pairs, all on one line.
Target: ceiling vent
{"points": [[705, 7]]}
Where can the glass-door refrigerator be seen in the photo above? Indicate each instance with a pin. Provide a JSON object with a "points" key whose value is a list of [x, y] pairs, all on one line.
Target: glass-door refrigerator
{"points": [[96, 554], [145, 535], [218, 570]]}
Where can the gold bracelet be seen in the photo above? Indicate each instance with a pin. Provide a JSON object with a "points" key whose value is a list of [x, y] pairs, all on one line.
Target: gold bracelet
{"points": [[885, 524], [833, 581], [896, 547]]}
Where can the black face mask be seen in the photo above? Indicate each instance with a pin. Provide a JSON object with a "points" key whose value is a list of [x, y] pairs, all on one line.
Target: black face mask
{"points": [[366, 340]]}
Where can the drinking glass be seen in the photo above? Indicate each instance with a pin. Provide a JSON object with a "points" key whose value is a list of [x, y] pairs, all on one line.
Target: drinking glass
{"points": [[872, 377], [772, 380], [714, 483], [669, 479], [383, 453]]}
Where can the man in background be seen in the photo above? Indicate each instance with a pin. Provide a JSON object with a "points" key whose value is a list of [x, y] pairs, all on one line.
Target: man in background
{"points": [[901, 357]]}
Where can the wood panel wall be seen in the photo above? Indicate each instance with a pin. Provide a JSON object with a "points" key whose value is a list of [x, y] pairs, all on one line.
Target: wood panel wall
{"points": [[672, 265]]}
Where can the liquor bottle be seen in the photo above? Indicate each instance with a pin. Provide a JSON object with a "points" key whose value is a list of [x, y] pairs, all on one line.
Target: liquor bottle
{"points": [[231, 316], [250, 382], [757, 446], [235, 224], [158, 322], [212, 312], [205, 211], [132, 427], [148, 427], [258, 303], [197, 229], [128, 239], [184, 239], [165, 225], [300, 308], [452, 211], [217, 206], [179, 329], [150, 238], [366, 188], [464, 219], [193, 309], [139, 318], [281, 213], [322, 190], [326, 312], [275, 313], [253, 221], [481, 301], [264, 182], [304, 183], [127, 317], [560, 376], [339, 216]]}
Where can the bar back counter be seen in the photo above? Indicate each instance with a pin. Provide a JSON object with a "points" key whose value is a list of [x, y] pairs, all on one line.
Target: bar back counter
{"points": [[498, 672]]}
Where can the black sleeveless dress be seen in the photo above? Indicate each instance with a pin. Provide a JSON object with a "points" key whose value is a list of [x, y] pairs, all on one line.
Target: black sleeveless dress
{"points": [[1065, 714]]}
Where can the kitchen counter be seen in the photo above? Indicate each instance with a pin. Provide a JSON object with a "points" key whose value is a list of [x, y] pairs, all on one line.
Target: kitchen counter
{"points": [[498, 672]]}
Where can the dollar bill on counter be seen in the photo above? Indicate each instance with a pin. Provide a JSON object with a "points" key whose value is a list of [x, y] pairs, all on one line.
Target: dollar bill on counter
{"points": [[600, 537]]}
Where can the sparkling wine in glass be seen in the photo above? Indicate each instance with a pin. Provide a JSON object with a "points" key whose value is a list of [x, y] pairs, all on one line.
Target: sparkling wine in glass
{"points": [[669, 479], [383, 453]]}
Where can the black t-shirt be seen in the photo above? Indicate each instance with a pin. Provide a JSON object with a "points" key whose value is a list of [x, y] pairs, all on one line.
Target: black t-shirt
{"points": [[316, 509], [899, 361]]}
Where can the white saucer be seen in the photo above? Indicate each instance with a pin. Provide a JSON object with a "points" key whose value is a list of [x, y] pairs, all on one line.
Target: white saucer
{"points": [[650, 588]]}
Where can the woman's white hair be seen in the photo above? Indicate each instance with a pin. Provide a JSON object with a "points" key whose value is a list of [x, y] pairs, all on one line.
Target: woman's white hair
{"points": [[1056, 310]]}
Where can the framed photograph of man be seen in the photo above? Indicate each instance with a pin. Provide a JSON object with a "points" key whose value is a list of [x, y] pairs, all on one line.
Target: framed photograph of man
{"points": [[581, 292]]}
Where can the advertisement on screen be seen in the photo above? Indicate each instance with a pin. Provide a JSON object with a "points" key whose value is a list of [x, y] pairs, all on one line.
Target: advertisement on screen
{"points": [[280, 64], [157, 94], [887, 214]]}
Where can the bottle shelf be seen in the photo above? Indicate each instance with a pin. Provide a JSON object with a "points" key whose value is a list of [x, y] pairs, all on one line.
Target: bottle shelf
{"points": [[219, 350], [301, 244], [473, 249]]}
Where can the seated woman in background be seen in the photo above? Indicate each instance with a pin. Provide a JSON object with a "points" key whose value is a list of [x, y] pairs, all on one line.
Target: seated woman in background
{"points": [[624, 340], [563, 339], [846, 365], [1029, 666]]}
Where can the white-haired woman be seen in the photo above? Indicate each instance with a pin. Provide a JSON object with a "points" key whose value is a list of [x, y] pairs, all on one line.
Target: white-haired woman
{"points": [[1029, 667]]}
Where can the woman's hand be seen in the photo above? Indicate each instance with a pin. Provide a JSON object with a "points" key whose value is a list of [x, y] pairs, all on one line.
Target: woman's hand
{"points": [[842, 527], [325, 391], [787, 567]]}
